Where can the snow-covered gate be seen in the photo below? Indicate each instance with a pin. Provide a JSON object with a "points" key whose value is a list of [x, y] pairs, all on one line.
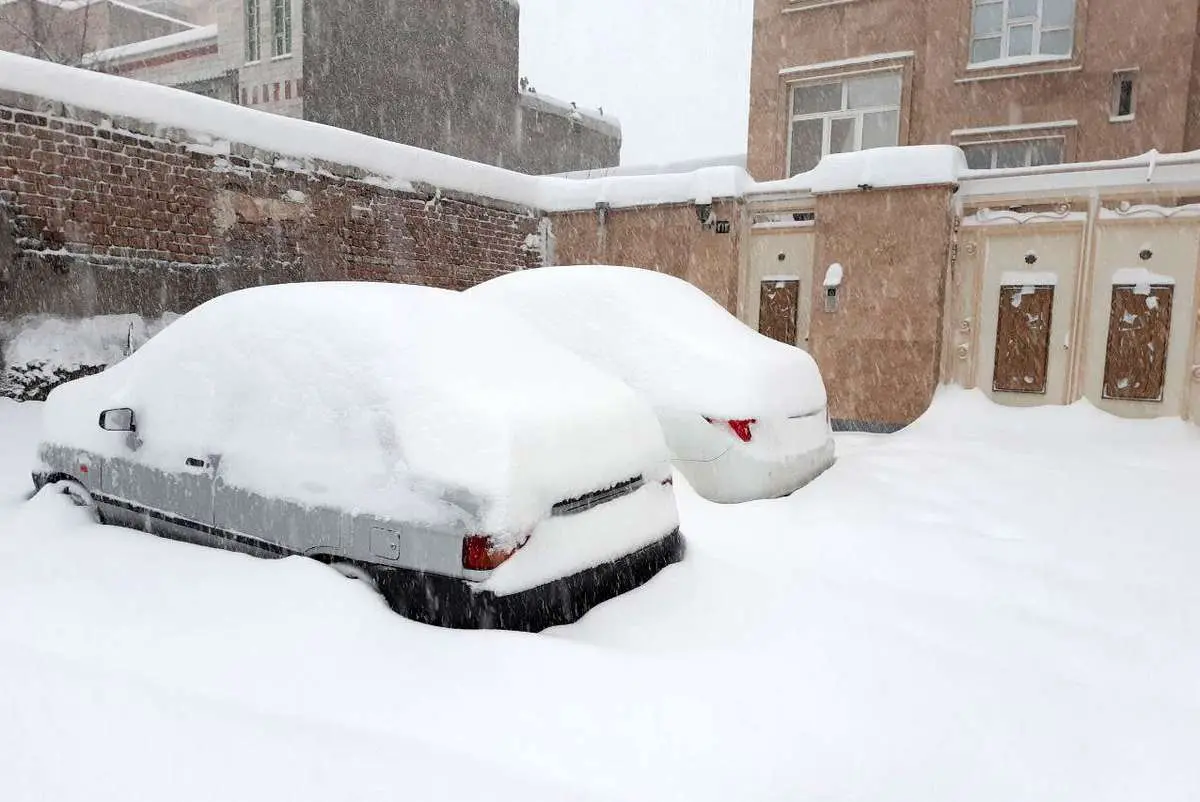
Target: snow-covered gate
{"points": [[1080, 282]]}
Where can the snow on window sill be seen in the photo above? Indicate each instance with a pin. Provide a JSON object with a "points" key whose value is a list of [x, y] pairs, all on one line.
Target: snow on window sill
{"points": [[281, 57], [1040, 68], [1017, 61], [809, 5], [1128, 118]]}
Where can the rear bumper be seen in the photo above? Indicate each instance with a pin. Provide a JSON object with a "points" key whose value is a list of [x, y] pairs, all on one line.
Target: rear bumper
{"points": [[738, 475], [452, 602]]}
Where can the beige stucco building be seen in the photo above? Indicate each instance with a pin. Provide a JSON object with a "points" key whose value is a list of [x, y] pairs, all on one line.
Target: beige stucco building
{"points": [[1013, 82]]}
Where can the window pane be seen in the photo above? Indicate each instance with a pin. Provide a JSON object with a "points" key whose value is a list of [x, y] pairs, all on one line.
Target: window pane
{"points": [[1058, 13], [817, 98], [979, 157], [881, 129], [985, 50], [1020, 40], [1012, 154], [1045, 151], [989, 18], [873, 91], [806, 145], [841, 135], [1123, 95], [1022, 8], [1056, 43]]}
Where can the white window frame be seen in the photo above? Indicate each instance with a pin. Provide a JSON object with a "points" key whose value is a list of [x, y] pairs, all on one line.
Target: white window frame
{"points": [[281, 28], [252, 23], [844, 113], [1008, 23], [1028, 141]]}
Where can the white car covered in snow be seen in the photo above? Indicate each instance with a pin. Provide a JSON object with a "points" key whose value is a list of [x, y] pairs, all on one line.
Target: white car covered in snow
{"points": [[478, 476], [744, 416]]}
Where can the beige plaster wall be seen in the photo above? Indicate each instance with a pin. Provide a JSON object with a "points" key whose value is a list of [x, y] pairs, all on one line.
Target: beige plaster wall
{"points": [[1005, 247], [1176, 249], [796, 247]]}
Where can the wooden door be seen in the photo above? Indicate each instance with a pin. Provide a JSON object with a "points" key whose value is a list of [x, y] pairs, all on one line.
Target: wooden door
{"points": [[779, 305], [1139, 332], [1023, 339]]}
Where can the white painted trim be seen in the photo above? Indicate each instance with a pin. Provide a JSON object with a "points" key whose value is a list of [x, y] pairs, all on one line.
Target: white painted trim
{"points": [[1003, 217], [1150, 212], [1028, 278], [1020, 61], [792, 9], [1009, 129], [848, 62], [970, 79], [781, 277], [783, 224]]}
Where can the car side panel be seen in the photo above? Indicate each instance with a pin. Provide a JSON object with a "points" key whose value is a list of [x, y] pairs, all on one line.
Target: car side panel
{"points": [[293, 527], [183, 495], [407, 545]]}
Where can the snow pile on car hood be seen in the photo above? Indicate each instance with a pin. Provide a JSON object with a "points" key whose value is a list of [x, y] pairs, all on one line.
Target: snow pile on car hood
{"points": [[362, 396], [665, 337]]}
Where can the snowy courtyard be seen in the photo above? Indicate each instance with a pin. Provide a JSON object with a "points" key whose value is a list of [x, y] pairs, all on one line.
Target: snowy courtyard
{"points": [[991, 605]]}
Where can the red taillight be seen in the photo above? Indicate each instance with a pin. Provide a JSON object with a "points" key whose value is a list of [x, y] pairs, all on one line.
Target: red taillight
{"points": [[741, 428], [482, 553]]}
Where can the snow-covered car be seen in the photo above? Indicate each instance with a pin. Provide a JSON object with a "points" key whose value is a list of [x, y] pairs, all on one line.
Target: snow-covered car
{"points": [[744, 416], [412, 437]]}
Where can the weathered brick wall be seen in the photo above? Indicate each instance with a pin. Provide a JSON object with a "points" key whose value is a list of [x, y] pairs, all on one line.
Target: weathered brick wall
{"points": [[115, 218]]}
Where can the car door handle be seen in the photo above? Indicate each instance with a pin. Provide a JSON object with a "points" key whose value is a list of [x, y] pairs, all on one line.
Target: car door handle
{"points": [[196, 463]]}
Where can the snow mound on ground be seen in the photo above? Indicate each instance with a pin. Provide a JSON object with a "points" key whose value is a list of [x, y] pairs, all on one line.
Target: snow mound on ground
{"points": [[99, 340], [665, 338], [360, 395], [42, 351]]}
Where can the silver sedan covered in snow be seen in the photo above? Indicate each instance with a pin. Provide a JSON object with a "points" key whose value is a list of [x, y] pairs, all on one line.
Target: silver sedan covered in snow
{"points": [[476, 475]]}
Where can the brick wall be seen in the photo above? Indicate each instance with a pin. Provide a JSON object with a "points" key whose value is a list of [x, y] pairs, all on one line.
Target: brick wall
{"points": [[114, 218]]}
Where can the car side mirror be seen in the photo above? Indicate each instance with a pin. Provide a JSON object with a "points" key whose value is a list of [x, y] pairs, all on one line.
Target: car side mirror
{"points": [[117, 420]]}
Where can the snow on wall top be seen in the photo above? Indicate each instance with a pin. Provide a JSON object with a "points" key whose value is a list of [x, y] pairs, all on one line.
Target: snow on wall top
{"points": [[593, 118], [158, 43], [207, 119]]}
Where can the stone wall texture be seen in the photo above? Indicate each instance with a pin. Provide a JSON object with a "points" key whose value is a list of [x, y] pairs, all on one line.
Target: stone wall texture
{"points": [[97, 218]]}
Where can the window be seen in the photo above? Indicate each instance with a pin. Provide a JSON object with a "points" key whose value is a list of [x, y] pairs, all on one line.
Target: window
{"points": [[1021, 30], [1014, 153], [1123, 106], [281, 27], [838, 116], [253, 45]]}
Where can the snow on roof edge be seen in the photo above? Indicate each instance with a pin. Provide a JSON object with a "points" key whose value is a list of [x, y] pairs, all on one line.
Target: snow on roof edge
{"points": [[173, 108], [206, 118], [146, 46], [563, 108]]}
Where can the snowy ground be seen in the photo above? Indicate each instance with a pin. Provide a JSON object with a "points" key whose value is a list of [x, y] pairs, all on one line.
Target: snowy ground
{"points": [[993, 605]]}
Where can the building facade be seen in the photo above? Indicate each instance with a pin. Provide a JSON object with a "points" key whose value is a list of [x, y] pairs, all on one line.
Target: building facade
{"points": [[1014, 83], [67, 32], [442, 76]]}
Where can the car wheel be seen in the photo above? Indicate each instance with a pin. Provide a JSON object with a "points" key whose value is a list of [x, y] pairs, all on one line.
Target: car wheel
{"points": [[79, 496], [356, 572]]}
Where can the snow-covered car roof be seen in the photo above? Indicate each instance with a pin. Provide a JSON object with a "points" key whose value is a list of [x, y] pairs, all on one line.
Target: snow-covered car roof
{"points": [[664, 337], [360, 395]]}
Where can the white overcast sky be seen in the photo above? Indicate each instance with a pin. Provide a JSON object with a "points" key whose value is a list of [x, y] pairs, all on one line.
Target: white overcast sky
{"points": [[675, 72]]}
